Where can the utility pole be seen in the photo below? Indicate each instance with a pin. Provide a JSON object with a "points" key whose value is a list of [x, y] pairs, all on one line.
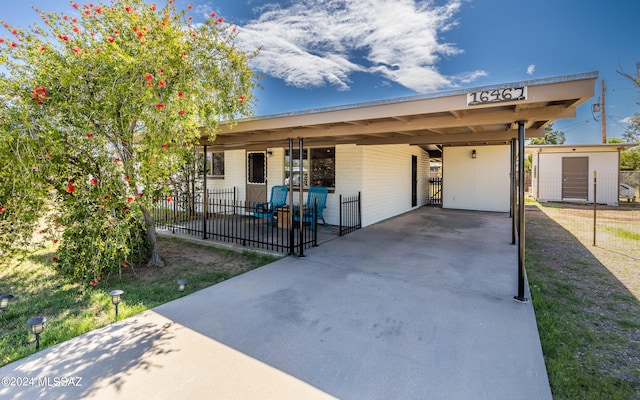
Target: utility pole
{"points": [[603, 115]]}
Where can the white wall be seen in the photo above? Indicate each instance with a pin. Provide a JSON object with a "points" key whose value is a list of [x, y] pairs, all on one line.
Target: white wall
{"points": [[235, 173], [476, 184], [386, 181], [549, 185]]}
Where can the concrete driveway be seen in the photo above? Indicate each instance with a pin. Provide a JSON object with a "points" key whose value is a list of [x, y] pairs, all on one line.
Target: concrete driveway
{"points": [[416, 307]]}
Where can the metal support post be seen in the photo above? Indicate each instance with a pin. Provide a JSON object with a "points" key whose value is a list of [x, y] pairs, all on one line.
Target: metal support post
{"points": [[521, 224]]}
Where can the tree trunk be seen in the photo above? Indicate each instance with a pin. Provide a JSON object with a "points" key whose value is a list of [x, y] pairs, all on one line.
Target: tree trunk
{"points": [[149, 222]]}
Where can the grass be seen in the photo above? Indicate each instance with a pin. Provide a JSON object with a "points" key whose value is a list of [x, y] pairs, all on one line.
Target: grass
{"points": [[73, 309], [587, 319], [623, 233]]}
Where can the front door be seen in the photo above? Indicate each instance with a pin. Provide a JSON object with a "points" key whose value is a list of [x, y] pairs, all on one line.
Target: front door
{"points": [[575, 178], [256, 177]]}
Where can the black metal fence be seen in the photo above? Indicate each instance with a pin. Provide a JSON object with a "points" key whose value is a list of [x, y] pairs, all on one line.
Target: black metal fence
{"points": [[350, 214], [217, 214]]}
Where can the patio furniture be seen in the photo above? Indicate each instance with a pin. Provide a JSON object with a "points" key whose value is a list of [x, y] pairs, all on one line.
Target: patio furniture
{"points": [[269, 209], [315, 192]]}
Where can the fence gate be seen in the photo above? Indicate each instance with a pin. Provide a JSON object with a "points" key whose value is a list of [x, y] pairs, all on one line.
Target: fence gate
{"points": [[435, 191]]}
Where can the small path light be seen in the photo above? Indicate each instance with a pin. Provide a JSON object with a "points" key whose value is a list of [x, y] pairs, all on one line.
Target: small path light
{"points": [[182, 285], [115, 299], [4, 301], [36, 324]]}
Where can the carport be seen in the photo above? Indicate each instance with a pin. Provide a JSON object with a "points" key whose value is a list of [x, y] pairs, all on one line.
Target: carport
{"points": [[498, 115]]}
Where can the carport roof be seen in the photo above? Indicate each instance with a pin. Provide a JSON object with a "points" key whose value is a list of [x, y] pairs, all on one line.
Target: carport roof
{"points": [[483, 115]]}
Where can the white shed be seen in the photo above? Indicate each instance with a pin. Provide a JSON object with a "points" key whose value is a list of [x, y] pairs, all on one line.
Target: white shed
{"points": [[567, 172]]}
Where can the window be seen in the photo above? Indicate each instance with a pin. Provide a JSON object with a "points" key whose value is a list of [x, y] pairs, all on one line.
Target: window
{"points": [[318, 167], [215, 164]]}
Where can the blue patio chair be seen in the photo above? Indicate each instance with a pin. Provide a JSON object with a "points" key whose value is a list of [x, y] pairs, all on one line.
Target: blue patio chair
{"points": [[315, 192], [269, 209]]}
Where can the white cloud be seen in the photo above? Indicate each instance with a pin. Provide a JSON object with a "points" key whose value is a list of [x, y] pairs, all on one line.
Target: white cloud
{"points": [[531, 69], [314, 43]]}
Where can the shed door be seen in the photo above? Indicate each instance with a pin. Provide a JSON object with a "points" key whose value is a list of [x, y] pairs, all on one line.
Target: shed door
{"points": [[575, 178], [256, 177]]}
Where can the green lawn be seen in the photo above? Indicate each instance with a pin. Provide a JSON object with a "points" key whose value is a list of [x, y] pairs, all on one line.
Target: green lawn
{"points": [[73, 309], [589, 322]]}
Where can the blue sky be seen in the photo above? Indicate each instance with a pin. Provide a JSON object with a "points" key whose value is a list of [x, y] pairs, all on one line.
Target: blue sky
{"points": [[319, 53]]}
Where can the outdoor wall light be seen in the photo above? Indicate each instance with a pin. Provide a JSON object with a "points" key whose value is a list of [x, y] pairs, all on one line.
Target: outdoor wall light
{"points": [[474, 154], [115, 299], [182, 285], [36, 324], [269, 153], [4, 301]]}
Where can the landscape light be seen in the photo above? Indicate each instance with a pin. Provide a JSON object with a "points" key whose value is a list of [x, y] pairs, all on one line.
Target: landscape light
{"points": [[36, 324], [115, 299]]}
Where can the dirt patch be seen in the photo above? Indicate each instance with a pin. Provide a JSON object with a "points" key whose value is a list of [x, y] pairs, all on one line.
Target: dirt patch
{"points": [[181, 255]]}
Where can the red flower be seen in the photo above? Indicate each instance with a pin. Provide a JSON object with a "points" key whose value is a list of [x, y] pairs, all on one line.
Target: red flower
{"points": [[127, 8], [71, 181], [89, 135], [15, 31], [140, 34], [76, 29], [93, 282], [117, 159], [86, 12], [74, 19], [70, 189], [125, 264], [180, 94], [162, 83], [98, 10], [219, 21], [110, 39], [54, 259], [1, 209], [74, 5], [153, 7], [181, 112], [1, 40], [42, 48], [65, 17], [55, 240], [100, 276], [169, 199], [213, 15], [164, 146], [129, 199], [184, 53], [190, 18], [148, 77], [116, 32], [159, 106], [190, 7], [94, 181], [127, 179], [5, 24], [242, 98], [125, 209], [139, 195], [149, 83], [161, 70], [14, 45], [76, 50]]}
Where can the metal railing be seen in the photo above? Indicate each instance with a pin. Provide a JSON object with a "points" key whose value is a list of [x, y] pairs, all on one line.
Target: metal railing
{"points": [[218, 218], [350, 214]]}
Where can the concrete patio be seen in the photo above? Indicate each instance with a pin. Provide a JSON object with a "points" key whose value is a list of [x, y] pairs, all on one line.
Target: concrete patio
{"points": [[416, 307]]}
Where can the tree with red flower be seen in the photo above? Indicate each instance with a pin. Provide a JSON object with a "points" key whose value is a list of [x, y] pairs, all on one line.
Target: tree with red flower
{"points": [[140, 124]]}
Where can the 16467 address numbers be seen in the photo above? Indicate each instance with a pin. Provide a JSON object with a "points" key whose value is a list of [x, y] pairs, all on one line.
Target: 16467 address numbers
{"points": [[497, 95]]}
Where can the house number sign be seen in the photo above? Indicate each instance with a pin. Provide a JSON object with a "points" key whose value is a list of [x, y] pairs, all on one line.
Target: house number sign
{"points": [[497, 95]]}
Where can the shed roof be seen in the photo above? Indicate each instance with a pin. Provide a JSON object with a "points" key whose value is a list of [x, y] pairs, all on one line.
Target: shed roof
{"points": [[482, 115], [578, 148]]}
